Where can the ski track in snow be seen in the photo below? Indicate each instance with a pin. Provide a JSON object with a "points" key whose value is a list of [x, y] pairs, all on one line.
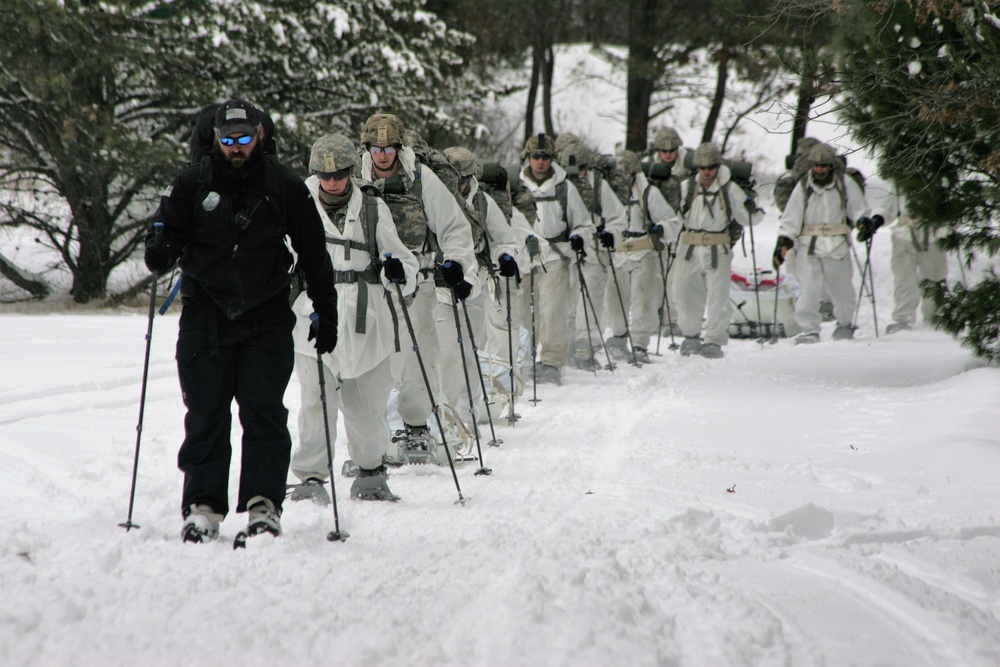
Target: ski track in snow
{"points": [[685, 513]]}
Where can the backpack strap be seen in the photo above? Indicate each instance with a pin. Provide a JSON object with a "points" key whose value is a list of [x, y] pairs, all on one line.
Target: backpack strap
{"points": [[838, 180]]}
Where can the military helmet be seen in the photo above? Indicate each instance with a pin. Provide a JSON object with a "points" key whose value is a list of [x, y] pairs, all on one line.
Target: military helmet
{"points": [[564, 140], [666, 139], [822, 154], [628, 163], [464, 161], [332, 152], [707, 155], [806, 144], [575, 155], [539, 142], [382, 128]]}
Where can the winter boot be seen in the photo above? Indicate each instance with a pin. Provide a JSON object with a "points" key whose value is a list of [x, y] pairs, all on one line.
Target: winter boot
{"points": [[641, 355], [826, 311], [616, 348], [312, 489], [690, 345], [807, 338], [711, 351], [897, 326], [549, 375], [582, 356], [416, 445], [264, 517], [843, 332], [201, 524], [372, 485]]}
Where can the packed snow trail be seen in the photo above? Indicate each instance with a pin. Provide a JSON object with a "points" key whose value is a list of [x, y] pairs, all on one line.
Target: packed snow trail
{"points": [[780, 506]]}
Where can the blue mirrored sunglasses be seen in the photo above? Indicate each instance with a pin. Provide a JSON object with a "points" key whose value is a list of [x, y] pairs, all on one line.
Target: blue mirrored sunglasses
{"points": [[242, 140]]}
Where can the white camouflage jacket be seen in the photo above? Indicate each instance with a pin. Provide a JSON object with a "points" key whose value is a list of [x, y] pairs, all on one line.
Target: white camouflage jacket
{"points": [[356, 353]]}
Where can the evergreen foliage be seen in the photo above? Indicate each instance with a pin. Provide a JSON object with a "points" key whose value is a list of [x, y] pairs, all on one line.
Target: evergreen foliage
{"points": [[921, 89], [97, 100]]}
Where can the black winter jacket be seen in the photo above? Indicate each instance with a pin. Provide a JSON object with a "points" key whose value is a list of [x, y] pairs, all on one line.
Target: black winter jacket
{"points": [[229, 235]]}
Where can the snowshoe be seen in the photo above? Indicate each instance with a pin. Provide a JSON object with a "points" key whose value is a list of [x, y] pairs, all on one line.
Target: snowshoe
{"points": [[641, 355], [807, 338], [843, 332], [711, 351], [416, 445], [897, 326], [312, 489], [617, 348], [690, 345], [372, 485], [548, 374]]}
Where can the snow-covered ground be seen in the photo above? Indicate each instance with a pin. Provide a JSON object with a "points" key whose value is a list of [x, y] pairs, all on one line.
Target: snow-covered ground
{"points": [[833, 504]]}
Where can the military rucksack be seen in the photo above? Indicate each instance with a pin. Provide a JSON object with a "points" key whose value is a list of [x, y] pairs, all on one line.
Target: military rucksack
{"points": [[493, 182], [446, 172]]}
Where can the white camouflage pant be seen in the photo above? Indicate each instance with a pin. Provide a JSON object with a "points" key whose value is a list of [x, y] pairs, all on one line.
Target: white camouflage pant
{"points": [[641, 287], [452, 378], [836, 275], [414, 401], [909, 267], [361, 399], [702, 292]]}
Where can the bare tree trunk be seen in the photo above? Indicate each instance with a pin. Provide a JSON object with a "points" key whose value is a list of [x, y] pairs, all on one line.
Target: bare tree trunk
{"points": [[529, 111], [548, 65], [641, 72], [722, 57], [32, 284], [805, 99]]}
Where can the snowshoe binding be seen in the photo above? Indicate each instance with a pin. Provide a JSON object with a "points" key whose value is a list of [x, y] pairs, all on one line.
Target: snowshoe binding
{"points": [[372, 485], [416, 445], [311, 489]]}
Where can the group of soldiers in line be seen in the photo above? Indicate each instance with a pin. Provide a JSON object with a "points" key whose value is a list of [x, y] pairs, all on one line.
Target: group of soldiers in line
{"points": [[427, 265]]}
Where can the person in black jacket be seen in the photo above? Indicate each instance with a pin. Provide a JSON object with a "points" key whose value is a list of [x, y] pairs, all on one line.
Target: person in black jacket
{"points": [[225, 220]]}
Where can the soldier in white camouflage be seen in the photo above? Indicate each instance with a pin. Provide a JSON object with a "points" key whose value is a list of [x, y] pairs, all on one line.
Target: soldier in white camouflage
{"points": [[357, 374], [431, 224], [556, 212], [668, 150], [496, 250], [608, 214], [650, 220]]}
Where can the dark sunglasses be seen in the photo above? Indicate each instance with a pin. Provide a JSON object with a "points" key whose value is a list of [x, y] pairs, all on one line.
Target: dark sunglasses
{"points": [[338, 175], [243, 140], [540, 155], [708, 167], [823, 165], [668, 150]]}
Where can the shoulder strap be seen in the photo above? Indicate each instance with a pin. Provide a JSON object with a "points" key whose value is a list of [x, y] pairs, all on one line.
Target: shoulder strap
{"points": [[689, 196]]}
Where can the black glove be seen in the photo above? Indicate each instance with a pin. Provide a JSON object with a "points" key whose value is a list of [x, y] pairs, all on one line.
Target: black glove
{"points": [[781, 249], [868, 226], [463, 290], [452, 273], [576, 243], [324, 331], [393, 270], [656, 230], [531, 243], [508, 267], [159, 252], [608, 240]]}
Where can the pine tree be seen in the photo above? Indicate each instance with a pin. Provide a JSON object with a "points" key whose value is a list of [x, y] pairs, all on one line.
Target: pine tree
{"points": [[920, 83]]}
